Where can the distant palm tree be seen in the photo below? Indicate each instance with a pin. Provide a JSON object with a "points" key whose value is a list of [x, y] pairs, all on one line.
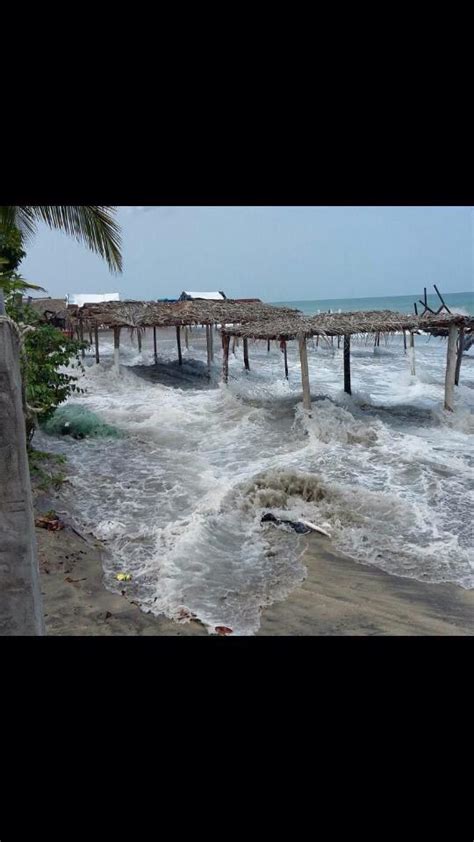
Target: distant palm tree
{"points": [[92, 225]]}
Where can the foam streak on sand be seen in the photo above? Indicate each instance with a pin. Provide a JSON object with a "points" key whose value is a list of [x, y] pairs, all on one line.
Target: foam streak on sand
{"points": [[178, 500]]}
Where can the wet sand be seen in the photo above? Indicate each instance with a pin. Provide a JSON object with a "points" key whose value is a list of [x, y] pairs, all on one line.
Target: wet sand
{"points": [[338, 597], [342, 597]]}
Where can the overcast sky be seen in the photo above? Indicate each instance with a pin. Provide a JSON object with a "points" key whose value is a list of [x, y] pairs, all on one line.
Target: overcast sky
{"points": [[273, 253]]}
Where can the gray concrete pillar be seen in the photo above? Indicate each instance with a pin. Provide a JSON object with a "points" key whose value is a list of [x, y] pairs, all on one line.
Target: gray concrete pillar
{"points": [[21, 611]]}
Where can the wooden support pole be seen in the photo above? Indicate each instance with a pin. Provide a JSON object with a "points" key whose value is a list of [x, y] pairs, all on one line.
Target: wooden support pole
{"points": [[285, 357], [450, 369], [208, 346], [186, 338], [246, 355], [225, 358], [338, 341], [117, 347], [139, 340], [304, 373], [412, 354], [404, 342], [459, 358], [211, 340], [155, 351], [96, 337], [347, 363], [268, 346], [233, 345], [178, 341], [81, 337]]}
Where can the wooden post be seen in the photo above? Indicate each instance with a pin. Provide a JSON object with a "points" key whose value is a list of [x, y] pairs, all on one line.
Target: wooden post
{"points": [[117, 347], [412, 354], [450, 369], [285, 357], [139, 340], [211, 340], [246, 355], [96, 337], [154, 344], [233, 345], [225, 358], [268, 346], [459, 358], [404, 342], [186, 338], [347, 363], [304, 373], [208, 346], [81, 337], [338, 341], [178, 340]]}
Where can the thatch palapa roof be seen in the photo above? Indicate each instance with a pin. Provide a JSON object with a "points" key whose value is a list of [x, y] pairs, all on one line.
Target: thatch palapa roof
{"points": [[339, 324], [141, 314]]}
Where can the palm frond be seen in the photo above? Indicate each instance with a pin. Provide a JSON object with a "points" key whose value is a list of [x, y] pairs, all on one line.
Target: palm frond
{"points": [[92, 225]]}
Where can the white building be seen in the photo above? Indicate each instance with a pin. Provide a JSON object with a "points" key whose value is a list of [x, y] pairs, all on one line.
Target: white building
{"points": [[79, 299], [202, 296]]}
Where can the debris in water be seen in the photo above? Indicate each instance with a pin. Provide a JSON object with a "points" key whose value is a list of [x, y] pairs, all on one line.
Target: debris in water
{"points": [[49, 522], [223, 630], [123, 577]]}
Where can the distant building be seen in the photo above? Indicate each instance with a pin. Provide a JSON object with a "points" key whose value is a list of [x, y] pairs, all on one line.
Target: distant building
{"points": [[202, 296], [79, 299]]}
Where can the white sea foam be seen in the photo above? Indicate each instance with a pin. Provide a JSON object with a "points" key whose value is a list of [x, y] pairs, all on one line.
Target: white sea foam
{"points": [[179, 499]]}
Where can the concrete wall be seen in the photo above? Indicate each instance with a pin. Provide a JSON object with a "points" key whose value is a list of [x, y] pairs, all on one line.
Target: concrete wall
{"points": [[20, 594]]}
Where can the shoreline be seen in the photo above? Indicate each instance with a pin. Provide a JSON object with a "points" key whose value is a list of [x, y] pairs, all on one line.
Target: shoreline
{"points": [[339, 596]]}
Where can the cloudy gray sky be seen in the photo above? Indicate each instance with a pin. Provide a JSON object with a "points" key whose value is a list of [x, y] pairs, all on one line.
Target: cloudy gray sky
{"points": [[274, 253]]}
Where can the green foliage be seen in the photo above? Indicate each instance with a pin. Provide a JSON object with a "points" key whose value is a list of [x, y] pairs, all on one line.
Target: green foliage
{"points": [[11, 248], [46, 351]]}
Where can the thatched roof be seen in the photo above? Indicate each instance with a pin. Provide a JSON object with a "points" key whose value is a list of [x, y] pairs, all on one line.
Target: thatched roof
{"points": [[338, 324], [164, 314], [48, 305]]}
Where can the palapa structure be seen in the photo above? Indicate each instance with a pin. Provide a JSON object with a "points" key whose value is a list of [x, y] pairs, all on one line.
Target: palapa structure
{"points": [[346, 325], [139, 315]]}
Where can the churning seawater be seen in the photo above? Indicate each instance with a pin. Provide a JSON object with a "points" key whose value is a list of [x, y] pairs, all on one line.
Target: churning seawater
{"points": [[178, 499]]}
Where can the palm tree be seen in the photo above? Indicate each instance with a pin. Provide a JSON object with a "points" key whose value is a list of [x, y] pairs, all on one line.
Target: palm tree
{"points": [[92, 225]]}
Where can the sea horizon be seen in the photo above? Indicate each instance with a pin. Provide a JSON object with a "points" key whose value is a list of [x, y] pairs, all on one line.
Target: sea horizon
{"points": [[403, 303]]}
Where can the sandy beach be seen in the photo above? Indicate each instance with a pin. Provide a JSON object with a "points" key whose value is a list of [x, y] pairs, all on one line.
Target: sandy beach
{"points": [[338, 597]]}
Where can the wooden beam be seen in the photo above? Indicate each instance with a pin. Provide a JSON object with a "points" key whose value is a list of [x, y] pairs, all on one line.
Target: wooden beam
{"points": [[412, 354], [96, 337], [459, 358], [154, 345], [116, 347], [304, 373], [211, 340], [246, 355], [268, 346], [178, 341], [225, 358], [81, 337], [347, 363], [139, 340], [404, 342], [450, 369]]}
